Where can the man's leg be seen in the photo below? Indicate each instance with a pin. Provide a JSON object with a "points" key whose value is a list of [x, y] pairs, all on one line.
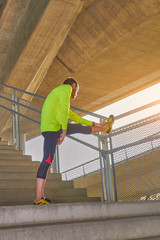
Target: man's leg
{"points": [[78, 128], [50, 141], [40, 188]]}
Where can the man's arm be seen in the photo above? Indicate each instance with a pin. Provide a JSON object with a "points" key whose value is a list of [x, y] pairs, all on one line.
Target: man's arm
{"points": [[64, 107], [64, 110], [75, 118]]}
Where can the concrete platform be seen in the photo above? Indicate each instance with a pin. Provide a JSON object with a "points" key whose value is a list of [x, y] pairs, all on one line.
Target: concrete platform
{"points": [[98, 221]]}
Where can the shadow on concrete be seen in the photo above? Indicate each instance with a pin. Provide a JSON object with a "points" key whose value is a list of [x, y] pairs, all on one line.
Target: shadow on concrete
{"points": [[2, 6]]}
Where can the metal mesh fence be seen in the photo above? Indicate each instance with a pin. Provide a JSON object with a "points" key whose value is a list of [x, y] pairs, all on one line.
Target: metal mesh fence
{"points": [[136, 151], [137, 160], [138, 166]]}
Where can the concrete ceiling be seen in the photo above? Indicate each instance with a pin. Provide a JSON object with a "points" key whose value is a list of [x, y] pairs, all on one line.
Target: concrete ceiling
{"points": [[111, 47]]}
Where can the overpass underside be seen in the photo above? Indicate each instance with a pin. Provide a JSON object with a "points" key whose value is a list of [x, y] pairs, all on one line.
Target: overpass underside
{"points": [[110, 47]]}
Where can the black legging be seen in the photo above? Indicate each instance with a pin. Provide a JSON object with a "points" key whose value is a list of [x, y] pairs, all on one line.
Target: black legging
{"points": [[50, 142]]}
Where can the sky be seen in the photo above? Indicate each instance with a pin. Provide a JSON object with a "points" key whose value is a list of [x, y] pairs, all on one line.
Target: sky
{"points": [[73, 154]]}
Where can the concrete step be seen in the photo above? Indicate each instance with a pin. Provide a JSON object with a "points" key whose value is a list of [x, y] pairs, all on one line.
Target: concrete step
{"points": [[31, 168], [82, 221], [18, 181], [13, 175], [31, 184], [63, 200], [7, 147], [60, 195], [2, 143], [18, 162], [11, 156], [10, 152], [27, 193]]}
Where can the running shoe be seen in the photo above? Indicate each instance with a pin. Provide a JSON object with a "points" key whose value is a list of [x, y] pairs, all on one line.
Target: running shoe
{"points": [[109, 124], [43, 201]]}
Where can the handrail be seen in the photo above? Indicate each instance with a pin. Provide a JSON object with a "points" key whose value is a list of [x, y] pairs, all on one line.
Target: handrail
{"points": [[138, 109], [131, 126], [36, 104], [21, 104], [22, 115], [80, 165], [102, 153], [19, 90], [115, 132], [154, 136], [118, 148], [43, 98], [89, 145], [90, 113]]}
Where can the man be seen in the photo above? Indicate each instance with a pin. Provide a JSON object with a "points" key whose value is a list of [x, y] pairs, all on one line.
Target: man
{"points": [[54, 128]]}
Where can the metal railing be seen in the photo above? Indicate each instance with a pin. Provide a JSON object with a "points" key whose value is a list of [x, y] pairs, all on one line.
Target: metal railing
{"points": [[15, 100], [107, 148]]}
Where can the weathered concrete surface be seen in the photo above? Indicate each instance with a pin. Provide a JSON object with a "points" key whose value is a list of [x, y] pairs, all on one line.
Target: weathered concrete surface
{"points": [[111, 47], [81, 221], [18, 20], [18, 181]]}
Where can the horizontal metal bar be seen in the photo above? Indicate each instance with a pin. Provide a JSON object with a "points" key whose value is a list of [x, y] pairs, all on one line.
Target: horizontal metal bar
{"points": [[119, 116], [128, 159], [32, 94], [36, 104], [6, 93], [80, 165], [77, 109], [138, 109], [33, 109], [89, 113], [20, 114], [118, 148], [86, 144], [91, 146], [131, 126]]}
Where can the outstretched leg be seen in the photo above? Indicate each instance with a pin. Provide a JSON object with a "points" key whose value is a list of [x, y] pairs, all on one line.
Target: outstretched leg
{"points": [[98, 127]]}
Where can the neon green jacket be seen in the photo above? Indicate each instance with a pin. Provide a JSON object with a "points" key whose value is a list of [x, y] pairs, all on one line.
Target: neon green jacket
{"points": [[56, 110]]}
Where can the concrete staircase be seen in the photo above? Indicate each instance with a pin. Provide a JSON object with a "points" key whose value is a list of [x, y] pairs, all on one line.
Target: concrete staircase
{"points": [[18, 181], [82, 221]]}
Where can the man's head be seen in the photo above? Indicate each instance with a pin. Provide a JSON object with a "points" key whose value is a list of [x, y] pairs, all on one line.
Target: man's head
{"points": [[75, 87]]}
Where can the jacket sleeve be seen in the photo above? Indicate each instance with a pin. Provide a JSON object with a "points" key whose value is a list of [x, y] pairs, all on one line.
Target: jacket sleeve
{"points": [[74, 117], [64, 107]]}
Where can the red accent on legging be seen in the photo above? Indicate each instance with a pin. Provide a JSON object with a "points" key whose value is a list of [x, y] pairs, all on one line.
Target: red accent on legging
{"points": [[48, 160]]}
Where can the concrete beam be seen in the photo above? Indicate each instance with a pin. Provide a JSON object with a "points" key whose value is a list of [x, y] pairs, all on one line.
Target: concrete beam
{"points": [[18, 21], [44, 44]]}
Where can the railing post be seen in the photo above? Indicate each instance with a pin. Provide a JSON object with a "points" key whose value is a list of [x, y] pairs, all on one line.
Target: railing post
{"points": [[57, 160], [84, 174], [55, 164], [15, 121], [113, 170], [107, 172], [102, 173], [108, 179]]}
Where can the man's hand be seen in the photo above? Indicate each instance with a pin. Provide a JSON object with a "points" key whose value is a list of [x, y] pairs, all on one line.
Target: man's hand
{"points": [[62, 137], [99, 125]]}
